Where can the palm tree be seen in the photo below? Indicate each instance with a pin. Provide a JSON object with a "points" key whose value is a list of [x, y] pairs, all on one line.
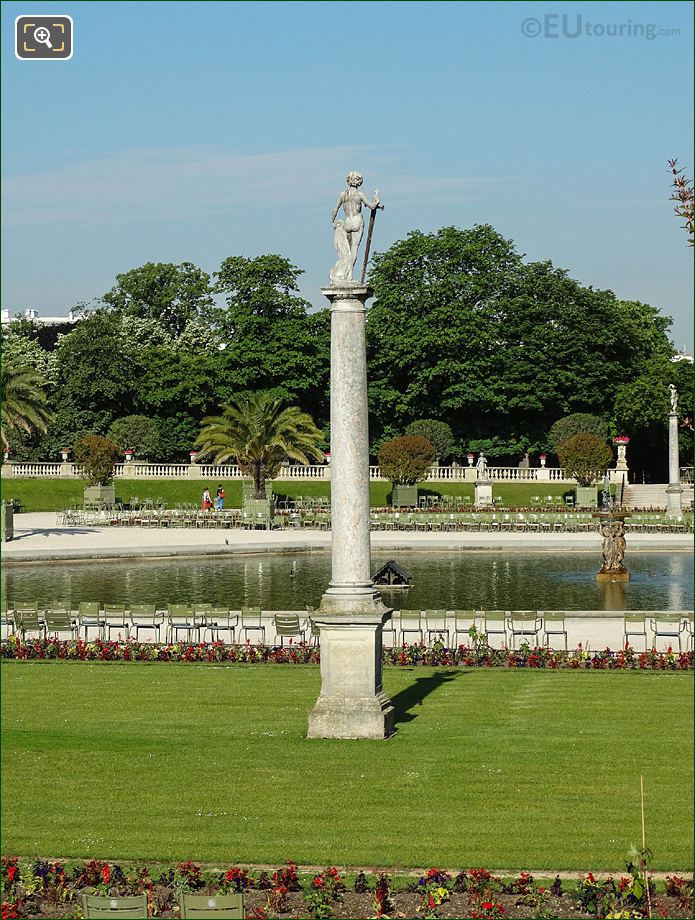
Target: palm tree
{"points": [[259, 433], [23, 400]]}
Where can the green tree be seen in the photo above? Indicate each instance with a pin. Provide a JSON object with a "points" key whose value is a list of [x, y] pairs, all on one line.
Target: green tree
{"points": [[140, 433], [173, 295], [23, 400], [641, 411], [585, 457], [405, 460], [259, 433], [439, 434], [463, 330], [97, 369], [577, 423], [97, 457], [270, 339]]}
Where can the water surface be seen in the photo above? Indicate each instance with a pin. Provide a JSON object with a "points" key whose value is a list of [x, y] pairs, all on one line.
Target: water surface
{"points": [[440, 580]]}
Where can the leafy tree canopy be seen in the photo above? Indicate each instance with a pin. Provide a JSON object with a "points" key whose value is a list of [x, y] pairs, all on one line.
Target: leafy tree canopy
{"points": [[463, 330], [172, 295]]}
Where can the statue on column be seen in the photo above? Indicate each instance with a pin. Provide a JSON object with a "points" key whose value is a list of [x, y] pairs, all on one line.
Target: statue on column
{"points": [[674, 397], [349, 230], [481, 466], [613, 533]]}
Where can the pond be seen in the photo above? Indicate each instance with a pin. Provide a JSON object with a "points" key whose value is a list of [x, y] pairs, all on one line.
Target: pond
{"points": [[487, 580]]}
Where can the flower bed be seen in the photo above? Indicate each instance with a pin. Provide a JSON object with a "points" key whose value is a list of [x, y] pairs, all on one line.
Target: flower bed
{"points": [[51, 889], [477, 656]]}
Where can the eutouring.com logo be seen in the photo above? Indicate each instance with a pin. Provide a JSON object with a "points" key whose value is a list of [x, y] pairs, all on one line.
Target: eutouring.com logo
{"points": [[566, 25]]}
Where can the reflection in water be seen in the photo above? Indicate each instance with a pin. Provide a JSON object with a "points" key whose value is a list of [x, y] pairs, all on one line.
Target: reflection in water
{"points": [[534, 581], [613, 595]]}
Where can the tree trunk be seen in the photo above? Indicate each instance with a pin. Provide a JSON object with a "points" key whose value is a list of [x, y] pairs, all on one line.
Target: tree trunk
{"points": [[258, 481]]}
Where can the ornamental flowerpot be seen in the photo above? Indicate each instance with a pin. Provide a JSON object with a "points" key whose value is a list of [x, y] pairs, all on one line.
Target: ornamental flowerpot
{"points": [[404, 496], [586, 497], [100, 495]]}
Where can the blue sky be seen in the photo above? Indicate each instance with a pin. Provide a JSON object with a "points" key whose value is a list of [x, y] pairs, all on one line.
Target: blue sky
{"points": [[195, 131]]}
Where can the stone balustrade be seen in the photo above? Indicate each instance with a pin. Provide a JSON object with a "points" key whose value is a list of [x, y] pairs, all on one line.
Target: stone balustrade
{"points": [[291, 472]]}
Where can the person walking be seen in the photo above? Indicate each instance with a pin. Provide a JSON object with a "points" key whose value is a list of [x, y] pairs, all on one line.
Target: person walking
{"points": [[220, 497], [207, 501]]}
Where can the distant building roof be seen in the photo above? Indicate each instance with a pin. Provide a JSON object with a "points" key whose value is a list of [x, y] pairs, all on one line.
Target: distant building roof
{"points": [[33, 316]]}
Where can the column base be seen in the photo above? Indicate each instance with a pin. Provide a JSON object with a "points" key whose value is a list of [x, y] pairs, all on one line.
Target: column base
{"points": [[674, 499], [352, 702], [352, 717], [483, 493]]}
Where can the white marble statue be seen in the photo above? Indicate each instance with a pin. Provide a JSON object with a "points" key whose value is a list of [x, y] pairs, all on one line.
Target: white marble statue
{"points": [[481, 467], [674, 397], [348, 231]]}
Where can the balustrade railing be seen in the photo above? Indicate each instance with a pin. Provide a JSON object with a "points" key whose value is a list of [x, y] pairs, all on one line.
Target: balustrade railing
{"points": [[294, 471]]}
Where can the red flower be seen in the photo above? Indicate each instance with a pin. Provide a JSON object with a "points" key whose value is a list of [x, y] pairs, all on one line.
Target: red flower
{"points": [[12, 872], [105, 874], [487, 905]]}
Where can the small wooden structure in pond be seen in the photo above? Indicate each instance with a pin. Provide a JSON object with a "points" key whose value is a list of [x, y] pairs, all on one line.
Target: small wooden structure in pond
{"points": [[391, 575]]}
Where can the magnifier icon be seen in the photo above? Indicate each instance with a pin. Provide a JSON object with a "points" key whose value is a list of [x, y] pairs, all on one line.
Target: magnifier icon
{"points": [[43, 36]]}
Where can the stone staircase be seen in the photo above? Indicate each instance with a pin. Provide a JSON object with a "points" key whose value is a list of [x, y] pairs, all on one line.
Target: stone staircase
{"points": [[653, 496]]}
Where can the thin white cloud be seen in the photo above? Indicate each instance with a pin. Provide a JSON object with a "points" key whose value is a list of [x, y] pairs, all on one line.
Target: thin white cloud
{"points": [[155, 185]]}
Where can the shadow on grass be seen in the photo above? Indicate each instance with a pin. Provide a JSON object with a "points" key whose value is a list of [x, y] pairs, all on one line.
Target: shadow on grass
{"points": [[413, 695]]}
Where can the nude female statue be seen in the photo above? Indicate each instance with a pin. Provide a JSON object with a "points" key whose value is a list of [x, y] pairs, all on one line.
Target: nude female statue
{"points": [[348, 232]]}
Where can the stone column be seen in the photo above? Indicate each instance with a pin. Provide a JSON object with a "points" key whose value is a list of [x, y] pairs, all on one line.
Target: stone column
{"points": [[351, 703], [674, 490]]}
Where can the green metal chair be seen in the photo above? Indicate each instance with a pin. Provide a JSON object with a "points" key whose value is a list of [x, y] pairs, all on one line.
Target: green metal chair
{"points": [[635, 624], [59, 619], [28, 619], [288, 626], [435, 625], [89, 617], [221, 620], [115, 618], [180, 619], [412, 621], [524, 624], [96, 908], [669, 626], [7, 618], [463, 620], [553, 625], [495, 624], [206, 907], [144, 616], [251, 621]]}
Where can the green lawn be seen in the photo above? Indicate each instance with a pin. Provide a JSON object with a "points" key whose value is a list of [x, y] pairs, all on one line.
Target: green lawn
{"points": [[498, 768], [54, 494]]}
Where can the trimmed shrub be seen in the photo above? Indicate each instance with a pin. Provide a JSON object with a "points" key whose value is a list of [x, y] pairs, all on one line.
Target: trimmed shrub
{"points": [[139, 432], [96, 456], [405, 460], [439, 434], [585, 456], [577, 423]]}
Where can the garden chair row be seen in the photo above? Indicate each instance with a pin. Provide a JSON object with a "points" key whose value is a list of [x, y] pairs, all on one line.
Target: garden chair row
{"points": [[222, 907], [454, 627], [668, 625], [193, 621]]}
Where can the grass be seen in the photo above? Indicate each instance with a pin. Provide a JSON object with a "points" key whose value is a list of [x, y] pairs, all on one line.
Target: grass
{"points": [[499, 768], [54, 494]]}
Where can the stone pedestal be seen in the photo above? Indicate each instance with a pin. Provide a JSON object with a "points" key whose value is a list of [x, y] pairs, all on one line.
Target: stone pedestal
{"points": [[543, 474], [483, 493], [351, 703], [674, 491]]}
